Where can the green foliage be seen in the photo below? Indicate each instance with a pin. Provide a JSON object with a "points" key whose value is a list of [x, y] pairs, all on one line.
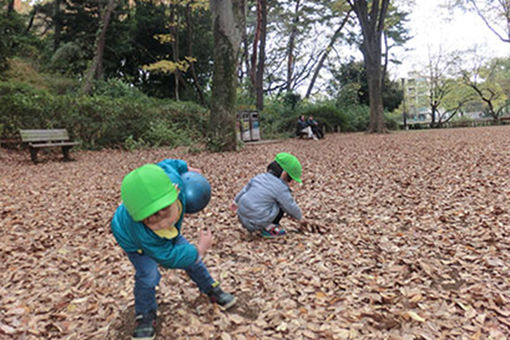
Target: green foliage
{"points": [[216, 143], [130, 144], [488, 80], [162, 133], [148, 21], [194, 149], [23, 71], [116, 88], [279, 120], [291, 99], [14, 40], [19, 104], [392, 120], [462, 119], [102, 121], [69, 59], [350, 87]]}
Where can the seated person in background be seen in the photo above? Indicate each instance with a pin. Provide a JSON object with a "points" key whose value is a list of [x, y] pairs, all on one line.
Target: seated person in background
{"points": [[316, 130], [302, 128]]}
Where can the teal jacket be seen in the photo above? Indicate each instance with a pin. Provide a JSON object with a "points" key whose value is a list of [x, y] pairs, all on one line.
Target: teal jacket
{"points": [[136, 237]]}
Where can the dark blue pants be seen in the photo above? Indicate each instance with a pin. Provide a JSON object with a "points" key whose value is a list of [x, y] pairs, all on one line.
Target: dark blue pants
{"points": [[147, 277]]}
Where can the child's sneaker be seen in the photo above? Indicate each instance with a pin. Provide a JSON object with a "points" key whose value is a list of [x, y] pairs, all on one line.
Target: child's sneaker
{"points": [[145, 327], [272, 231], [217, 295]]}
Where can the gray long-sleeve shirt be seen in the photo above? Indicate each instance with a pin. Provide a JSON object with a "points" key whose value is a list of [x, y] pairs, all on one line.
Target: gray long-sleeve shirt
{"points": [[259, 202]]}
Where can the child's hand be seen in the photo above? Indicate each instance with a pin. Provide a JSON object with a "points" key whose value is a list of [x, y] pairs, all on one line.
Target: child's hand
{"points": [[233, 207], [194, 169], [204, 241]]}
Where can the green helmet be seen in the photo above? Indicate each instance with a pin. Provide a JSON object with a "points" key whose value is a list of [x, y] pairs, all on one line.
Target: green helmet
{"points": [[146, 190], [290, 164]]}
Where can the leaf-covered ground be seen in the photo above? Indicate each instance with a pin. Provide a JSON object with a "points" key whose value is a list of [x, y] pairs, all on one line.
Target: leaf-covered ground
{"points": [[414, 243]]}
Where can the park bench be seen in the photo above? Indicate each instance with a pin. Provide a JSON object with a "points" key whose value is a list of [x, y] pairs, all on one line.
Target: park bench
{"points": [[505, 120], [38, 139]]}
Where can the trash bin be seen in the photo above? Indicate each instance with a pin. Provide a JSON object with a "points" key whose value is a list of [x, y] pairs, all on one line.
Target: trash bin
{"points": [[249, 126]]}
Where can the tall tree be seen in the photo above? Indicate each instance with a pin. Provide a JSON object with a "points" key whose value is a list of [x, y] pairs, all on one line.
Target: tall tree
{"points": [[57, 24], [291, 44], [439, 75], [455, 102], [259, 73], [488, 79], [95, 70], [254, 63], [174, 56], [174, 25], [293, 28], [328, 49], [228, 24], [189, 36], [371, 15], [349, 86]]}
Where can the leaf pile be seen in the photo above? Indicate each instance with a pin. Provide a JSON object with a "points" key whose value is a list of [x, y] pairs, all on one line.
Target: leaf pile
{"points": [[407, 238]]}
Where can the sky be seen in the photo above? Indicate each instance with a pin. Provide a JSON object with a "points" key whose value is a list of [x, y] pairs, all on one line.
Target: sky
{"points": [[432, 27]]}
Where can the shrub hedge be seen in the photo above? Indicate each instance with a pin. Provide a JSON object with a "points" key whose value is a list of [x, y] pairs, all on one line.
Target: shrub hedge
{"points": [[101, 120]]}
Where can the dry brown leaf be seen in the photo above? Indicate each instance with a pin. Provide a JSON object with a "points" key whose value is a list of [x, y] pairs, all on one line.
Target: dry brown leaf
{"points": [[412, 221], [415, 316]]}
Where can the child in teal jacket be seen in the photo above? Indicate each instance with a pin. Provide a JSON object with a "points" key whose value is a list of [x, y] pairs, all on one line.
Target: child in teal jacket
{"points": [[147, 225]]}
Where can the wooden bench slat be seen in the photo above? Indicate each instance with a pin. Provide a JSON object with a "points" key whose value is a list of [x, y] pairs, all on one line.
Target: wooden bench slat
{"points": [[42, 145], [43, 135]]}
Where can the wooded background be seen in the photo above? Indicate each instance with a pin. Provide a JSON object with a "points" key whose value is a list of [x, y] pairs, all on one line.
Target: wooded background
{"points": [[285, 58]]}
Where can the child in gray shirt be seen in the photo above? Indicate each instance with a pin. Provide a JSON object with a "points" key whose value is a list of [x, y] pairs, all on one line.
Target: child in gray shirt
{"points": [[260, 205]]}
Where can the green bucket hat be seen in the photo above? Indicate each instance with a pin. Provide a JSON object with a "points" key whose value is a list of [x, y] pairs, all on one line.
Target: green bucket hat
{"points": [[146, 190], [290, 164]]}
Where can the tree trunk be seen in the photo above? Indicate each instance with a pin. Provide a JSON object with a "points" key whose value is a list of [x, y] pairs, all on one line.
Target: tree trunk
{"points": [[246, 58], [10, 7], [190, 53], [386, 58], [95, 70], [326, 53], [57, 21], [33, 13], [256, 38], [259, 78], [228, 20], [372, 26], [488, 100], [290, 48], [433, 117], [376, 124], [175, 47]]}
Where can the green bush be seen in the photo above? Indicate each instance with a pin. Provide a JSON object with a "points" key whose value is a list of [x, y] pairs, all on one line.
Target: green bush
{"points": [[357, 118], [392, 120], [279, 119], [102, 121], [116, 88], [22, 106], [69, 59]]}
